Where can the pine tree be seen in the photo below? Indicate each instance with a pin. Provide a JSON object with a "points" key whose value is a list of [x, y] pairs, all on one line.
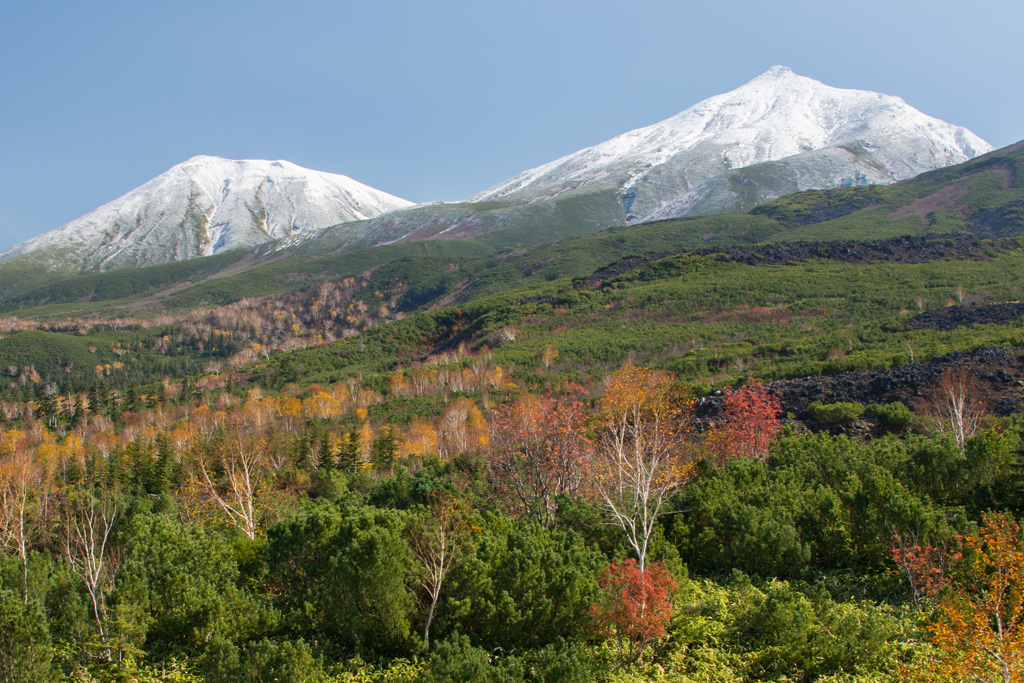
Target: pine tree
{"points": [[140, 461], [96, 398], [159, 475], [325, 452], [348, 456], [188, 390], [385, 449], [75, 414], [46, 404], [131, 400], [302, 451]]}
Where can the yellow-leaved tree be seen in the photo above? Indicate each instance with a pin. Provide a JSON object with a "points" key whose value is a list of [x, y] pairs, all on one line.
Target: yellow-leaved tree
{"points": [[643, 455], [978, 631]]}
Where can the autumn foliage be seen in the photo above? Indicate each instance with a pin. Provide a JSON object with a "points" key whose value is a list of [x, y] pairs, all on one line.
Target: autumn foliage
{"points": [[751, 420], [539, 450], [637, 605], [923, 567], [978, 630], [644, 455]]}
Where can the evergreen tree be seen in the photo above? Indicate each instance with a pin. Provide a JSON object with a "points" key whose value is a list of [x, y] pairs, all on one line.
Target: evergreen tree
{"points": [[131, 399], [46, 404], [325, 453], [96, 398], [25, 645], [115, 415], [75, 414], [187, 390], [348, 456], [385, 449], [159, 475], [302, 450]]}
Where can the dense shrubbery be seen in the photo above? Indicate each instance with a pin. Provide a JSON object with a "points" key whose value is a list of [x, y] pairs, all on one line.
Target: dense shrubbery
{"points": [[783, 567]]}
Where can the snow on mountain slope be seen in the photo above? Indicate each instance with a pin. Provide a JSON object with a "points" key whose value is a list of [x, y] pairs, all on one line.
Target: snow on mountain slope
{"points": [[204, 206], [660, 169]]}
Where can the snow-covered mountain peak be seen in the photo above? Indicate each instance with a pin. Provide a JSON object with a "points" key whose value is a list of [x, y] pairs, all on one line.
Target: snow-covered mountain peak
{"points": [[206, 205], [777, 115], [775, 73]]}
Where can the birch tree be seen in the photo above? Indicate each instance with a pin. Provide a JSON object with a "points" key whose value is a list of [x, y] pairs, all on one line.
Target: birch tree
{"points": [[233, 472], [89, 519], [642, 457], [436, 537], [955, 404]]}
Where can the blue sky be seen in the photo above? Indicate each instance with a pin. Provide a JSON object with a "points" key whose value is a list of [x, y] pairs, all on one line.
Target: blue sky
{"points": [[438, 100]]}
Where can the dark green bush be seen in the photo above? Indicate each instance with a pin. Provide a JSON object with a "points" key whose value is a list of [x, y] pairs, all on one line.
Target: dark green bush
{"points": [[835, 413]]}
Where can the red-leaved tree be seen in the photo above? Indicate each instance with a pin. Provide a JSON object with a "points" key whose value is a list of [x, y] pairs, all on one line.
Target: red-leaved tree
{"points": [[637, 604], [538, 450], [924, 567], [751, 421]]}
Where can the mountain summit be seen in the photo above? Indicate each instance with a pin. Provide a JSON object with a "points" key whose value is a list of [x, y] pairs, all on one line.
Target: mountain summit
{"points": [[204, 206], [685, 164]]}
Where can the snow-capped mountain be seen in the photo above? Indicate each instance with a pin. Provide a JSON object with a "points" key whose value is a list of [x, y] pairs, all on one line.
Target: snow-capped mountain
{"points": [[204, 206], [830, 136], [780, 133]]}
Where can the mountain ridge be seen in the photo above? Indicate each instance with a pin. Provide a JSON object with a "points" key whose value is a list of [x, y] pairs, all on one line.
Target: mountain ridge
{"points": [[640, 176]]}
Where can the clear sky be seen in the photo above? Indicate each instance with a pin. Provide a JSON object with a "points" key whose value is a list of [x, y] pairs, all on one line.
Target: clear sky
{"points": [[438, 100]]}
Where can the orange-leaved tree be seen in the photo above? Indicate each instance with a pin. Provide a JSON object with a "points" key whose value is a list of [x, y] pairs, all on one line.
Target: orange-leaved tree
{"points": [[643, 456], [978, 631], [924, 567]]}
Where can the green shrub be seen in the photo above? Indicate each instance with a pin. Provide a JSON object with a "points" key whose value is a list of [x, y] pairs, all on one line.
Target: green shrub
{"points": [[25, 649], [895, 415], [835, 413], [455, 660]]}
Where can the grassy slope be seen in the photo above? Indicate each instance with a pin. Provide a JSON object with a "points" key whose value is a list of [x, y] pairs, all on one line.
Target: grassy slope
{"points": [[705, 318], [971, 196]]}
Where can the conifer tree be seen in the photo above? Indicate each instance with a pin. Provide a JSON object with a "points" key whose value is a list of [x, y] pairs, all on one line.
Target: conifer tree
{"points": [[302, 451], [348, 456], [159, 476], [385, 449], [325, 452], [131, 400]]}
